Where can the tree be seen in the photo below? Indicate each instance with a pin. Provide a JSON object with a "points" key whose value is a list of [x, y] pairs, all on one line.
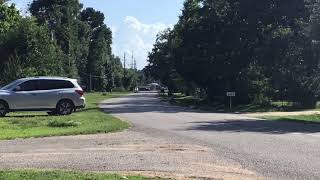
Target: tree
{"points": [[9, 18], [99, 57], [83, 50], [27, 50], [61, 38], [95, 19], [3, 1], [117, 70], [99, 62], [61, 17], [161, 62], [254, 48], [82, 36]]}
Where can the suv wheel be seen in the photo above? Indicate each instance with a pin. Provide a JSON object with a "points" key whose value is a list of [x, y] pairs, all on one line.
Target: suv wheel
{"points": [[3, 109], [65, 107]]}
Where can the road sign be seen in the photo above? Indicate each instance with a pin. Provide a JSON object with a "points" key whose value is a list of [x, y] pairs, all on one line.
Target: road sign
{"points": [[231, 94]]}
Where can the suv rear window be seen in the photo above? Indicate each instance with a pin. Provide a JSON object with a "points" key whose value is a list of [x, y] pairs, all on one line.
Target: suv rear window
{"points": [[54, 84]]}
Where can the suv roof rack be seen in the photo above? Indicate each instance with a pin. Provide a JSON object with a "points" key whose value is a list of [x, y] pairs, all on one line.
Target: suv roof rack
{"points": [[50, 77]]}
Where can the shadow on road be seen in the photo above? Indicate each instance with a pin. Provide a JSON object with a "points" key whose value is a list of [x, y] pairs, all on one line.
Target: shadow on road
{"points": [[129, 108], [142, 103], [259, 126]]}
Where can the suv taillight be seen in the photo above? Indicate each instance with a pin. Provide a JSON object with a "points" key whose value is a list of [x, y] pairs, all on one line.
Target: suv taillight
{"points": [[80, 92]]}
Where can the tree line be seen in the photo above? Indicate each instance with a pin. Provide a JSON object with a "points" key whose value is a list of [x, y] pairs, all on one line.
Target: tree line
{"points": [[262, 50], [60, 38]]}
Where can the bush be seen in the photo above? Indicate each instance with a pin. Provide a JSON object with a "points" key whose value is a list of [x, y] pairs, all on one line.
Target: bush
{"points": [[258, 85]]}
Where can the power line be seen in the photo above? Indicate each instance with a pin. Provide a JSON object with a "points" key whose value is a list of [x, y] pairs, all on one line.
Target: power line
{"points": [[88, 75]]}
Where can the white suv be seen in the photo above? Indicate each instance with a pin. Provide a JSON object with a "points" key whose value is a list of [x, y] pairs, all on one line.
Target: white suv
{"points": [[57, 96]]}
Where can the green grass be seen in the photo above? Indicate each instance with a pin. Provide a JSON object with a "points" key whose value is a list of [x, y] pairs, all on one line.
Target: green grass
{"points": [[301, 118], [190, 101], [91, 120], [273, 107], [64, 175]]}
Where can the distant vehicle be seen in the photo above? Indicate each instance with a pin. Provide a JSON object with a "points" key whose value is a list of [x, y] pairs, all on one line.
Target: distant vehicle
{"points": [[154, 87], [55, 95], [144, 88], [136, 90]]}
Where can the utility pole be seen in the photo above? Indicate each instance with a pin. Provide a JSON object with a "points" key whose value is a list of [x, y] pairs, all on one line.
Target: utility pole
{"points": [[69, 40], [124, 65], [132, 61], [90, 82], [135, 64]]}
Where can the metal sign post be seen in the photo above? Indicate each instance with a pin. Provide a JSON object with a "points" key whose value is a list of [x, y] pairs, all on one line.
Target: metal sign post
{"points": [[230, 95]]}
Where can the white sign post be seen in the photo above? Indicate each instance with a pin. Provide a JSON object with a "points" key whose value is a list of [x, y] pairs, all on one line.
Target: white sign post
{"points": [[230, 95]]}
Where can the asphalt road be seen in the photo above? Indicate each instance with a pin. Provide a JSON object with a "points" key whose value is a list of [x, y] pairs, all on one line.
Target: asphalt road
{"points": [[138, 150], [275, 150]]}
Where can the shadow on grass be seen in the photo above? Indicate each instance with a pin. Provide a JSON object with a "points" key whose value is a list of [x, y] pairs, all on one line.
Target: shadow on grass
{"points": [[268, 108], [88, 109], [26, 116], [201, 104], [194, 103]]}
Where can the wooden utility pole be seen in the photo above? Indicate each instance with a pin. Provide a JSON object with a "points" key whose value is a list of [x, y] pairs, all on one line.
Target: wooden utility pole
{"points": [[132, 61], [135, 64], [124, 65], [90, 82]]}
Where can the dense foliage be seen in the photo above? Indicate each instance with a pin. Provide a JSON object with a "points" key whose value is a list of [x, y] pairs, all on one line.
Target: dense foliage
{"points": [[262, 50], [61, 38]]}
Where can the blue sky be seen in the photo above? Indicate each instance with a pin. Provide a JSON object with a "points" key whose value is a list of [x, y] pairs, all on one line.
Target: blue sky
{"points": [[134, 23]]}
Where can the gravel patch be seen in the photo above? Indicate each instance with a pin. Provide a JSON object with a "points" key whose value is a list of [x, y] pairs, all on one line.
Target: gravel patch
{"points": [[127, 152]]}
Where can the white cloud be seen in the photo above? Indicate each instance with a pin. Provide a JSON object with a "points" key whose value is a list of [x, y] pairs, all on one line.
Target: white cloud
{"points": [[139, 42], [114, 29], [139, 37], [140, 48], [153, 29], [132, 35]]}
